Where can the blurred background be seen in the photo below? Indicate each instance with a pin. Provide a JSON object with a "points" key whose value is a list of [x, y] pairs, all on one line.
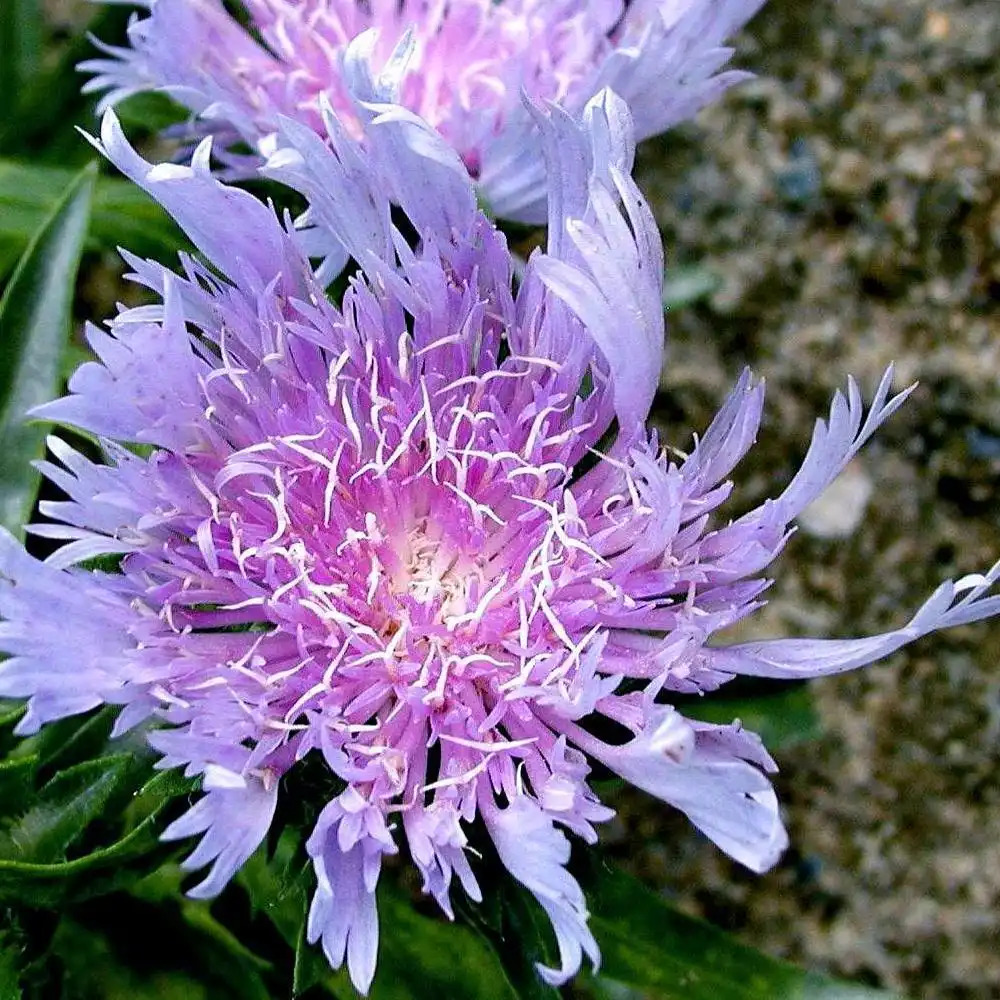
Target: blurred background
{"points": [[840, 212]]}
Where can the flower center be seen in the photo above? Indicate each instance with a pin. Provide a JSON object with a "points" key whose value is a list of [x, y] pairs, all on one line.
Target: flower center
{"points": [[431, 574]]}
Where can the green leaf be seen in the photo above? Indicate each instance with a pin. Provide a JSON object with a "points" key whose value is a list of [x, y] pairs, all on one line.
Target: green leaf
{"points": [[428, 958], [10, 968], [123, 214], [516, 930], [653, 952], [11, 248], [11, 713], [64, 742], [66, 806], [279, 886], [279, 889], [17, 782], [34, 323], [312, 969], [781, 719], [107, 868], [21, 45], [222, 942]]}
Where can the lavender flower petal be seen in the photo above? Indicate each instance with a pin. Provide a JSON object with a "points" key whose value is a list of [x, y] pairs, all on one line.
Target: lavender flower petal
{"points": [[952, 604], [234, 816], [536, 854]]}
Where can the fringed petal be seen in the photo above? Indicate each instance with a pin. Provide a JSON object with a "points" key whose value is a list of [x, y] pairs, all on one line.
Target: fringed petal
{"points": [[342, 915], [234, 816], [145, 387], [668, 56], [250, 241], [716, 782], [953, 603], [66, 636], [605, 260], [536, 854]]}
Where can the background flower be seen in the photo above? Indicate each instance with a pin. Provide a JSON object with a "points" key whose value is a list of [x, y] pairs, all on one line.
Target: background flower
{"points": [[463, 67]]}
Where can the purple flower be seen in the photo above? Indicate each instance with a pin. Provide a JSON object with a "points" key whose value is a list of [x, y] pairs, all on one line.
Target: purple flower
{"points": [[460, 64], [423, 536]]}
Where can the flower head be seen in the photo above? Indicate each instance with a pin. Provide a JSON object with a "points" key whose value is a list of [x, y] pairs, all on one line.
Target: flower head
{"points": [[462, 65], [423, 536]]}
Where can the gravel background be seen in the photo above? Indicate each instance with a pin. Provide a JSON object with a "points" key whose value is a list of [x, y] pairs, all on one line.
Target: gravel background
{"points": [[848, 202]]}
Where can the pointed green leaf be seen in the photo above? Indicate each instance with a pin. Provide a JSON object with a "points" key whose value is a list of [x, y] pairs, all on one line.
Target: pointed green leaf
{"points": [[311, 969], [69, 741], [11, 248], [11, 713], [227, 950], [517, 932], [278, 886], [651, 951], [34, 324], [427, 958], [65, 807], [279, 889], [123, 862]]}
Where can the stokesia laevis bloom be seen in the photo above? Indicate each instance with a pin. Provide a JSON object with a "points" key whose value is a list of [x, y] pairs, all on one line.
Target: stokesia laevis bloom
{"points": [[463, 68], [423, 536]]}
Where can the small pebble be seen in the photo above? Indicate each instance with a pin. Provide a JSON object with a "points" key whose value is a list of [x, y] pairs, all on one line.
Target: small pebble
{"points": [[838, 512]]}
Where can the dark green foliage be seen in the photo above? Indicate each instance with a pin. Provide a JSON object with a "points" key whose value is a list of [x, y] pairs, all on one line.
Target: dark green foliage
{"points": [[34, 325], [122, 214], [659, 953]]}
